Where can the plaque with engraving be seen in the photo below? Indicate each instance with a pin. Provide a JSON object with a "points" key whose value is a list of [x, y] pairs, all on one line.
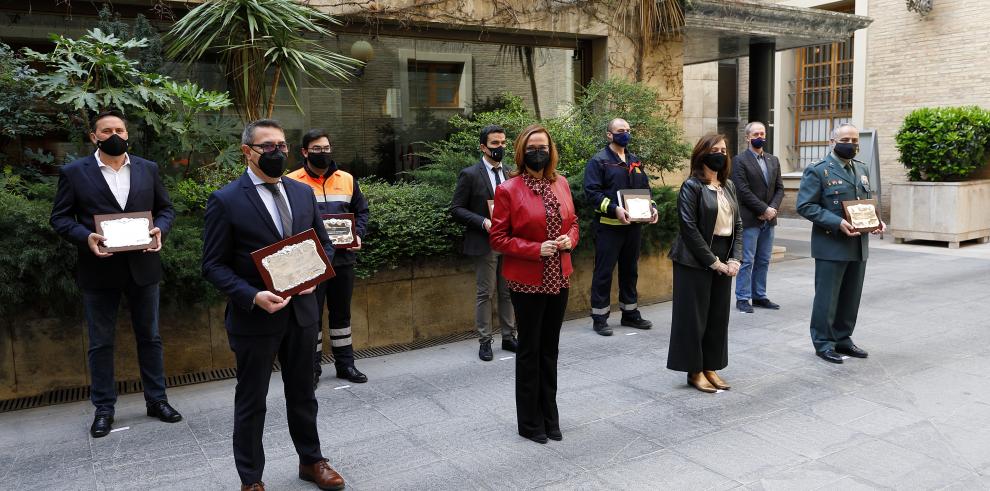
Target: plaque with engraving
{"points": [[342, 230], [294, 264], [637, 203], [862, 214], [125, 231]]}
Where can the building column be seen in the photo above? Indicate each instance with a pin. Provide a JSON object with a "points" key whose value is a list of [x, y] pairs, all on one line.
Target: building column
{"points": [[761, 86]]}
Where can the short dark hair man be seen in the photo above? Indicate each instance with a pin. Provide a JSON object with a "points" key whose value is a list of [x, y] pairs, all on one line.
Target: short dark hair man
{"points": [[475, 186], [254, 211], [113, 181], [617, 240], [336, 192], [759, 188]]}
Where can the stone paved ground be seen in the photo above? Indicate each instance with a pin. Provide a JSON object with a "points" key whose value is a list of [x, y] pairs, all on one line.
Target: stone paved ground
{"points": [[915, 415]]}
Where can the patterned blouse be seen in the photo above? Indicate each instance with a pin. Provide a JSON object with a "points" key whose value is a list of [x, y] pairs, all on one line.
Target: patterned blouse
{"points": [[553, 272]]}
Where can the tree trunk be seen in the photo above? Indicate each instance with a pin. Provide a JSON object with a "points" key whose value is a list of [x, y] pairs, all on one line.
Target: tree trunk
{"points": [[528, 52], [271, 95]]}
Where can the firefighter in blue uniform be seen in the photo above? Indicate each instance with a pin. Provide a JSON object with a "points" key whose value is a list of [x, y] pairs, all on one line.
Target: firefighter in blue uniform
{"points": [[616, 239], [336, 192]]}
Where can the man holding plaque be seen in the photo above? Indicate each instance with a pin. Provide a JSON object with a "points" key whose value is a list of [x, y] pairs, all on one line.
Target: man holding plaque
{"points": [[839, 249], [257, 210], [337, 193], [110, 182], [759, 188], [613, 172], [470, 206]]}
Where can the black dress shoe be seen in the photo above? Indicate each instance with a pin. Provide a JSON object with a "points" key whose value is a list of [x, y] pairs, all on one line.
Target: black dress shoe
{"points": [[485, 351], [102, 423], [744, 306], [765, 303], [830, 356], [164, 412], [555, 435], [352, 375], [635, 320], [853, 351], [600, 325], [540, 438], [510, 344]]}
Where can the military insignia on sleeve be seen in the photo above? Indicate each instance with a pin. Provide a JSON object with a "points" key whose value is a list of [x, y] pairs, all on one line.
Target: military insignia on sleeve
{"points": [[866, 180]]}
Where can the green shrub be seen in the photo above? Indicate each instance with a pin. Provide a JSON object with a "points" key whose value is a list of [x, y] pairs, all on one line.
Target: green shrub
{"points": [[944, 143], [182, 254]]}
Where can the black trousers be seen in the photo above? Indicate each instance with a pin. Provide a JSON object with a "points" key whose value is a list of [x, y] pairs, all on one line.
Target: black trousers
{"points": [[255, 354], [336, 294], [615, 244], [538, 320], [699, 327], [838, 289]]}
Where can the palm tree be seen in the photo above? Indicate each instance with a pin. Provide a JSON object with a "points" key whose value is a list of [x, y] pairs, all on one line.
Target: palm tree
{"points": [[258, 37]]}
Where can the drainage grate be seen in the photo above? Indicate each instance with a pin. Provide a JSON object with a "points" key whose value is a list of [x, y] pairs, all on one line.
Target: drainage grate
{"points": [[75, 394]]}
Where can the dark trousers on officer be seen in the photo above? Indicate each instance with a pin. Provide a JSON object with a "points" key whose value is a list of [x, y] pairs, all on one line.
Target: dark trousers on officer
{"points": [[292, 344], [615, 244], [838, 288], [101, 307], [699, 325], [538, 320], [336, 294]]}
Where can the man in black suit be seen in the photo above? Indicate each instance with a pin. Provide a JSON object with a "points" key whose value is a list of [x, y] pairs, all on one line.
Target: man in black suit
{"points": [[113, 181], [254, 211], [475, 186], [756, 175]]}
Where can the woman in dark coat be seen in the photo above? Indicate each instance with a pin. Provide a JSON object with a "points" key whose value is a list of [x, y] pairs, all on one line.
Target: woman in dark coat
{"points": [[706, 255]]}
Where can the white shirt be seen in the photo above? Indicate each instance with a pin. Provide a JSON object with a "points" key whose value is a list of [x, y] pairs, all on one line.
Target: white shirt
{"points": [[491, 175], [269, 199], [118, 180]]}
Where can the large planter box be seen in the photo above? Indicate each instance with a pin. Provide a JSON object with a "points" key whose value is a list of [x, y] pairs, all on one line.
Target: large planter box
{"points": [[942, 211]]}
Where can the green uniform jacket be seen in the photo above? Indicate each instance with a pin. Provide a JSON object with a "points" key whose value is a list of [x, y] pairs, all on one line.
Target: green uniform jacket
{"points": [[824, 186]]}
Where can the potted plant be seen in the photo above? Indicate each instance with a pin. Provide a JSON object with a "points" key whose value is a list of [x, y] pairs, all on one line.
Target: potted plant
{"points": [[945, 151]]}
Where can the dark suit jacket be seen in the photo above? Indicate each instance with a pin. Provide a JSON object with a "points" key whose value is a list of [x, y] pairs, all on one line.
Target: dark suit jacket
{"points": [[755, 194], [237, 224], [82, 193], [824, 186], [470, 206]]}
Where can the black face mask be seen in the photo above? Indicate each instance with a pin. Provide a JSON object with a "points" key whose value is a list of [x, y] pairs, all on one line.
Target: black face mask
{"points": [[846, 150], [497, 153], [536, 159], [714, 161], [322, 161], [113, 146], [272, 163]]}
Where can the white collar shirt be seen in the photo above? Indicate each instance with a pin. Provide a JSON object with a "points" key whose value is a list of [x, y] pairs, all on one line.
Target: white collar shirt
{"points": [[269, 199], [489, 167], [119, 181]]}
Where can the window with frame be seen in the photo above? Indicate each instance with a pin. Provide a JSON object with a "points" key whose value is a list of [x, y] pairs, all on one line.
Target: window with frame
{"points": [[822, 97], [435, 84]]}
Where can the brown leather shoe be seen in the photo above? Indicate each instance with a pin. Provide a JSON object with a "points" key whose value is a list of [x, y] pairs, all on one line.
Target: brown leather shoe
{"points": [[258, 486], [698, 381], [322, 474], [716, 380]]}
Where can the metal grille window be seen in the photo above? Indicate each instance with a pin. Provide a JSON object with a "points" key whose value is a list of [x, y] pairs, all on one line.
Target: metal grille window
{"points": [[821, 97]]}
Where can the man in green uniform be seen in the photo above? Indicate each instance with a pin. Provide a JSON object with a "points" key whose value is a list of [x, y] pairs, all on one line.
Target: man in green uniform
{"points": [[840, 251]]}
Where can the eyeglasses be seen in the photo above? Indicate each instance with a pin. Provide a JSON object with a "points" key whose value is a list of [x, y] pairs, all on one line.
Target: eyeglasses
{"points": [[326, 149], [545, 148], [268, 147]]}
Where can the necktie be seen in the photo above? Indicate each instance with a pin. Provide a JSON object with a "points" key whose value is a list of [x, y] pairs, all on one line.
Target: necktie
{"points": [[282, 207], [498, 175]]}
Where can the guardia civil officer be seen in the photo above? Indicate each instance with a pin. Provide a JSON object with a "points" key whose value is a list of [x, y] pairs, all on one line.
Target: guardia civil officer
{"points": [[617, 240], [840, 251]]}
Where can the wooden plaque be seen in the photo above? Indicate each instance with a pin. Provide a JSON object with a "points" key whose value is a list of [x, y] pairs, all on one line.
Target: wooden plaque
{"points": [[294, 264], [491, 208], [123, 231], [342, 229], [862, 214], [637, 203]]}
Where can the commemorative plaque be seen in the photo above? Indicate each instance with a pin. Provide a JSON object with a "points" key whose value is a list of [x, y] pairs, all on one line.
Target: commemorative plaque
{"points": [[125, 231], [862, 214], [637, 203], [294, 264], [341, 229], [491, 208]]}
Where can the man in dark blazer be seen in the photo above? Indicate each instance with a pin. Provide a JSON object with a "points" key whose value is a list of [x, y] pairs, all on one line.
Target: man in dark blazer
{"points": [[756, 175], [254, 211], [475, 186], [113, 181], [840, 251]]}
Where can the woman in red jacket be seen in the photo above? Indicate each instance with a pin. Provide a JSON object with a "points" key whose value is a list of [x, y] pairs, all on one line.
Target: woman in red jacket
{"points": [[535, 228]]}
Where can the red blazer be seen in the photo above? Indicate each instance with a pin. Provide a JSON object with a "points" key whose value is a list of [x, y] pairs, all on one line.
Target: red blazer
{"points": [[519, 226]]}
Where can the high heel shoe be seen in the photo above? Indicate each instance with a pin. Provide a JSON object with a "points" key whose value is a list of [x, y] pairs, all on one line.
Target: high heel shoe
{"points": [[698, 381], [716, 380]]}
